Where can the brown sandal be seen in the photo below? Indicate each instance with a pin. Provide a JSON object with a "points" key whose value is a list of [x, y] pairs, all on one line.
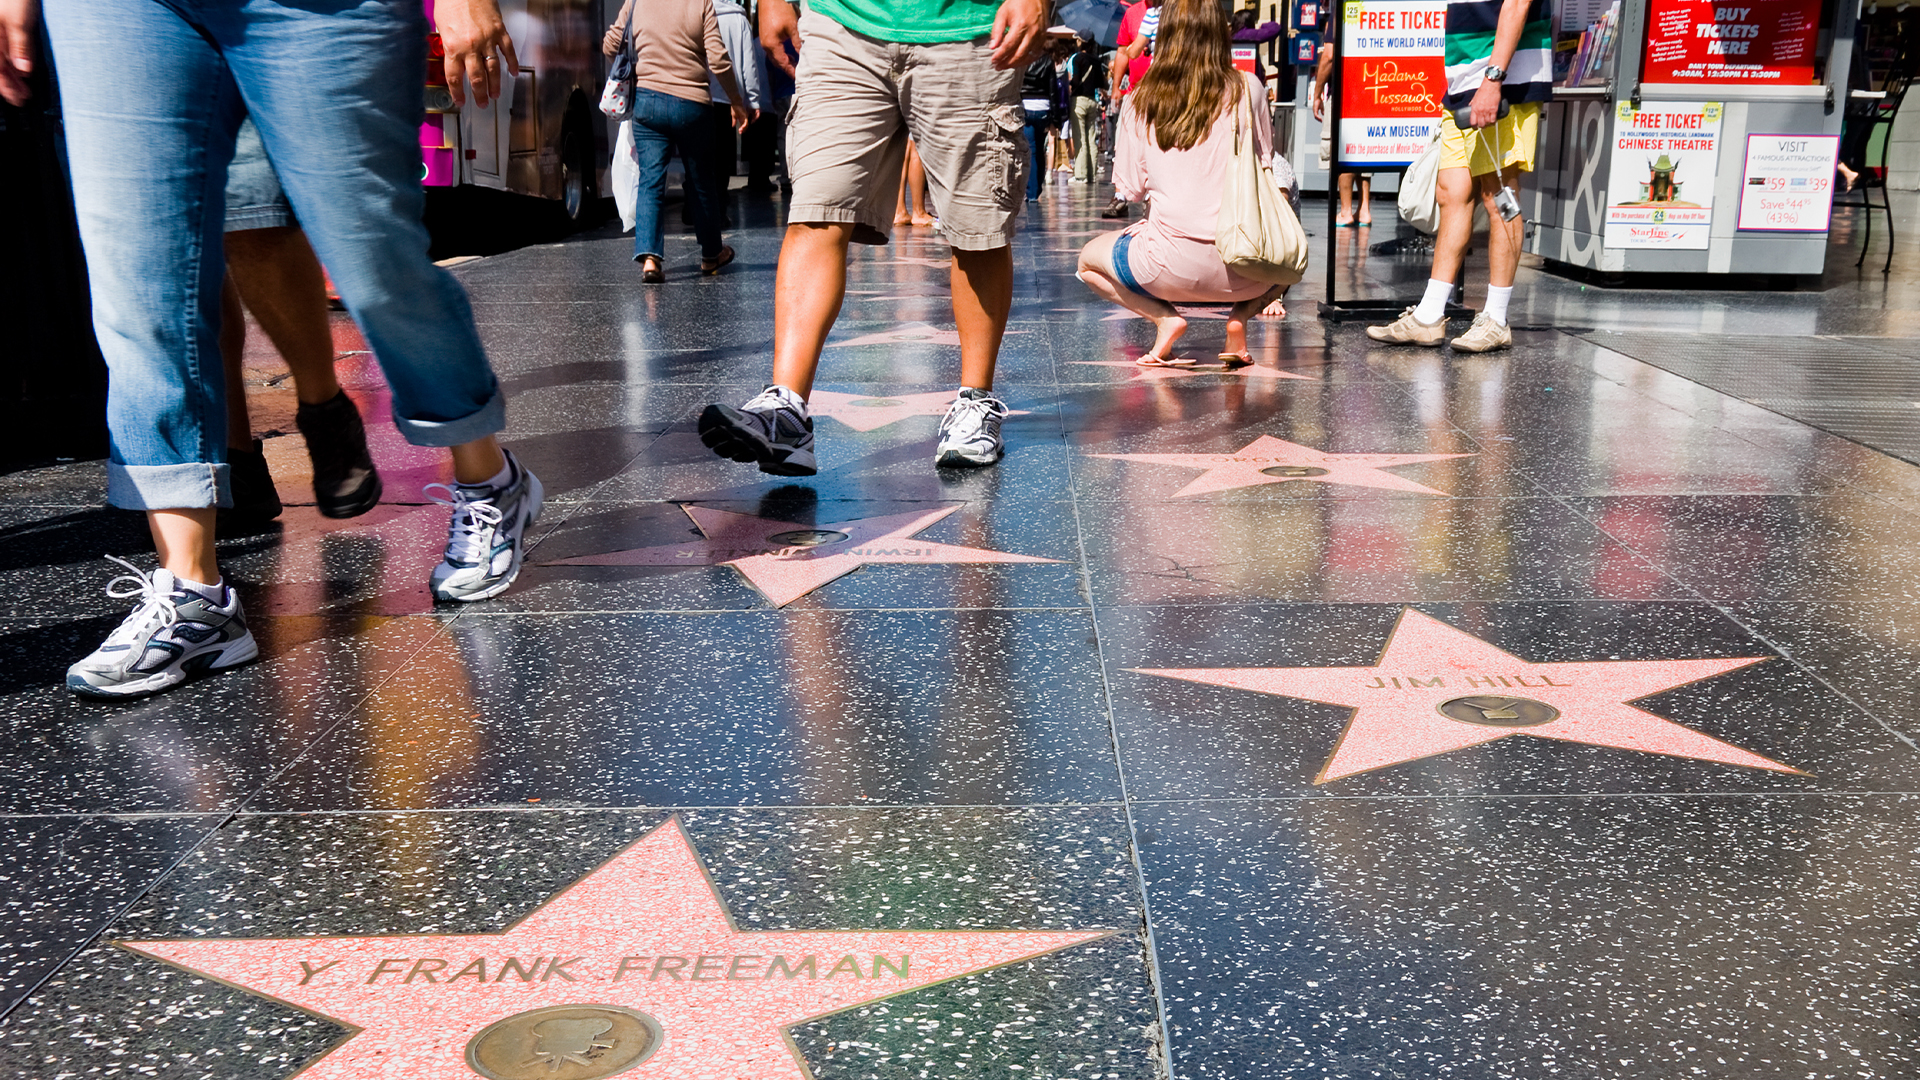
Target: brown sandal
{"points": [[651, 271], [712, 266]]}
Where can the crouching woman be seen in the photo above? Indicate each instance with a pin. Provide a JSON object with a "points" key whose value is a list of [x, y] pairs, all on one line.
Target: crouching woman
{"points": [[1173, 147]]}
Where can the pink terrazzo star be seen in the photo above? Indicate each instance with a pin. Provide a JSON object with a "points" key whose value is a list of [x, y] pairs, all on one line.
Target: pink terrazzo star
{"points": [[1437, 688], [645, 932], [786, 561], [1155, 374], [1267, 460], [913, 333], [865, 413]]}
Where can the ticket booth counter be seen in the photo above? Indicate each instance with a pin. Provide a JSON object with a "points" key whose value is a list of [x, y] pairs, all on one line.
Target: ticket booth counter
{"points": [[1691, 137]]}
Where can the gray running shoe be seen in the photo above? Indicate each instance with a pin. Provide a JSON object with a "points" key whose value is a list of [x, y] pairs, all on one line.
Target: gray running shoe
{"points": [[970, 433], [487, 536], [773, 429], [172, 635]]}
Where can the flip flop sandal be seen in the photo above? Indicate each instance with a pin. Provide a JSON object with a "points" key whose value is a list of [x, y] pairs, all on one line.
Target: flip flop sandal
{"points": [[1236, 359], [1150, 360], [712, 266]]}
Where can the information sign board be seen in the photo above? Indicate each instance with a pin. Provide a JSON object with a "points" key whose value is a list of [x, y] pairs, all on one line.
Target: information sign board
{"points": [[1660, 186], [1787, 183], [1392, 79], [1732, 41]]}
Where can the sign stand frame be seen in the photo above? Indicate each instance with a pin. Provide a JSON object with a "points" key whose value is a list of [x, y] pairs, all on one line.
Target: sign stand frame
{"points": [[1333, 309]]}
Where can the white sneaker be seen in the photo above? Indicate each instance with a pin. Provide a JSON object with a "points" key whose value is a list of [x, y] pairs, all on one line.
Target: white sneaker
{"points": [[487, 535], [970, 433], [172, 635]]}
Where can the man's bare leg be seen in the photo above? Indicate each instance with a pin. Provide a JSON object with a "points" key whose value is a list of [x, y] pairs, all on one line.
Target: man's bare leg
{"points": [[1504, 238], [1454, 189], [184, 541], [233, 350], [807, 293], [280, 279], [982, 299]]}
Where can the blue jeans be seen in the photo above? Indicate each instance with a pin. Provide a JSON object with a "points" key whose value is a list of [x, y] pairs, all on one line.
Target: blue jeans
{"points": [[659, 121], [335, 90], [1038, 124]]}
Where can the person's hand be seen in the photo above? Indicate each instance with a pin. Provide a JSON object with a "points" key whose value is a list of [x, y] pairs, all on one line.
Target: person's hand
{"points": [[1019, 29], [1320, 107], [472, 33], [17, 19], [610, 44], [1486, 104], [779, 25], [741, 117]]}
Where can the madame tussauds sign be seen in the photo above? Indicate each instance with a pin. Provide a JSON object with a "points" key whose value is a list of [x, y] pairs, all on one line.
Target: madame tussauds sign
{"points": [[1392, 78]]}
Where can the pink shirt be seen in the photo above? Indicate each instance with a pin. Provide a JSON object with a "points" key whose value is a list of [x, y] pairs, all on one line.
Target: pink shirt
{"points": [[1171, 253]]}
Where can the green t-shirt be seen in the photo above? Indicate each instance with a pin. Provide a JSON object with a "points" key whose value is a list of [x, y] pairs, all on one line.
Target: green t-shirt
{"points": [[921, 22]]}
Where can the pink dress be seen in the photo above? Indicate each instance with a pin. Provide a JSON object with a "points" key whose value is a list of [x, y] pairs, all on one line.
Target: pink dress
{"points": [[1171, 253]]}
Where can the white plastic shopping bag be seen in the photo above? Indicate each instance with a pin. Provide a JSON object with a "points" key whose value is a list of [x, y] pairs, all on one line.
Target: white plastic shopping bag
{"points": [[624, 174]]}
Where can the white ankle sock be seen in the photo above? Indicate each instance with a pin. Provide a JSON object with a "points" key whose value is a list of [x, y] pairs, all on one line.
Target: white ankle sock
{"points": [[1497, 298], [215, 593], [499, 480], [1433, 306], [790, 396]]}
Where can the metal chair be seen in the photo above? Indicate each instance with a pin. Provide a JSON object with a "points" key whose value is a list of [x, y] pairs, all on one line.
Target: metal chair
{"points": [[1877, 109]]}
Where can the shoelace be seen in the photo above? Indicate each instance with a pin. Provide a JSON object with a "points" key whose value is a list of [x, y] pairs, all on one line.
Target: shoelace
{"points": [[971, 411], [470, 533], [154, 604]]}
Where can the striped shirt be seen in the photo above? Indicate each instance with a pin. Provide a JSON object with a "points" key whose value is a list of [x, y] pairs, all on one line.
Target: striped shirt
{"points": [[1470, 29]]}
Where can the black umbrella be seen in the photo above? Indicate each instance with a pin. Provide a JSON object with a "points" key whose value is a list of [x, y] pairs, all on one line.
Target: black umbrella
{"points": [[1096, 20]]}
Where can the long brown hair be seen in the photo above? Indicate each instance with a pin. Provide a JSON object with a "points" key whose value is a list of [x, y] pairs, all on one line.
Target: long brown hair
{"points": [[1192, 80]]}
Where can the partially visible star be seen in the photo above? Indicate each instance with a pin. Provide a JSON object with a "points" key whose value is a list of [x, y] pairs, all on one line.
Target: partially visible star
{"points": [[917, 333], [786, 560], [1267, 460], [1437, 688], [1155, 374], [1122, 314], [646, 933], [863, 412]]}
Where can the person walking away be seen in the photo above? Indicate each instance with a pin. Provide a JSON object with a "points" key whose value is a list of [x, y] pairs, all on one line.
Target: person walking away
{"points": [[1132, 57], [946, 73], [272, 269], [765, 139], [1174, 145], [1499, 55], [723, 145], [1086, 80], [676, 48], [335, 93], [1036, 104], [1321, 93]]}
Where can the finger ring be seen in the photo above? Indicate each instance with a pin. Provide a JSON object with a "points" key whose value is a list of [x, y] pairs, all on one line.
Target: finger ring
{"points": [[492, 60]]}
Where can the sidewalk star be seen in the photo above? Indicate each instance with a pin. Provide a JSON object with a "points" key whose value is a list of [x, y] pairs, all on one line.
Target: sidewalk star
{"points": [[636, 969], [1437, 688], [1267, 460], [864, 412], [786, 560], [1155, 374]]}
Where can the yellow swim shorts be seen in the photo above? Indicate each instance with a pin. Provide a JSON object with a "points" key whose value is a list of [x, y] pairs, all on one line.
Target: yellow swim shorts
{"points": [[1518, 134]]}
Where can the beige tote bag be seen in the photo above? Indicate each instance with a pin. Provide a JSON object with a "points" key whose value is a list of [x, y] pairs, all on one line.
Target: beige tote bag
{"points": [[1257, 233]]}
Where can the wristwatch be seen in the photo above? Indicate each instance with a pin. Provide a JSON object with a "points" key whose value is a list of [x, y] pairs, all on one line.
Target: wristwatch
{"points": [[1496, 73]]}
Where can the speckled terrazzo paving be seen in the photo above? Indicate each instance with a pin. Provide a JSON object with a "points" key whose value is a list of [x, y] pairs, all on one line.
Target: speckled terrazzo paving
{"points": [[1370, 713]]}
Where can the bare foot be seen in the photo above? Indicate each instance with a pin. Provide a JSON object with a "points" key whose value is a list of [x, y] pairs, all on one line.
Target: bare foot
{"points": [[925, 221], [1165, 332], [1275, 310], [1342, 222], [1851, 176], [1366, 219], [902, 219], [1236, 344]]}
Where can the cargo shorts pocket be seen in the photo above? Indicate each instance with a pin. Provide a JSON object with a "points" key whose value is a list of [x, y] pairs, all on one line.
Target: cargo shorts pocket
{"points": [[1006, 141]]}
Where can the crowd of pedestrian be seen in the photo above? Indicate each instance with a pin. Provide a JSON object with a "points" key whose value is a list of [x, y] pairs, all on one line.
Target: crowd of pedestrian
{"points": [[882, 114]]}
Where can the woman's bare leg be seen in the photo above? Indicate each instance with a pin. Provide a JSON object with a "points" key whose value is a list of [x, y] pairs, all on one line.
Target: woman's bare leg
{"points": [[1096, 269], [1242, 311]]}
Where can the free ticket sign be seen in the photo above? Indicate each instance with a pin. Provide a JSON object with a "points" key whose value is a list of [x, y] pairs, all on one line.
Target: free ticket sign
{"points": [[1660, 186], [1732, 41], [1392, 79], [1787, 183]]}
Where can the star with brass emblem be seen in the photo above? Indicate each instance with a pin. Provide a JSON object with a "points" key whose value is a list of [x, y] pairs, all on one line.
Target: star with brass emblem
{"points": [[635, 970], [1436, 689], [1267, 460], [863, 412], [786, 561]]}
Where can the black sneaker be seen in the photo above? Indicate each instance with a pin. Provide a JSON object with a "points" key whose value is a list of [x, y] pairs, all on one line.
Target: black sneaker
{"points": [[345, 483], [255, 500], [773, 429], [172, 635]]}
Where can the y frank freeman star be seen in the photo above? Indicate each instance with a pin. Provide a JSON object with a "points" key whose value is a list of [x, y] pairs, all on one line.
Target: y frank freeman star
{"points": [[786, 561], [636, 970], [1437, 689], [1267, 460]]}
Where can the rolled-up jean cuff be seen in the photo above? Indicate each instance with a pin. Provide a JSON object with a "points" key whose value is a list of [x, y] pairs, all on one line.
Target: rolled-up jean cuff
{"points": [[196, 485], [486, 420]]}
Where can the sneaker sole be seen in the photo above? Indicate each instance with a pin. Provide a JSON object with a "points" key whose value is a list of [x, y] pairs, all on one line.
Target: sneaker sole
{"points": [[1457, 347], [959, 459], [368, 499], [231, 655], [727, 437]]}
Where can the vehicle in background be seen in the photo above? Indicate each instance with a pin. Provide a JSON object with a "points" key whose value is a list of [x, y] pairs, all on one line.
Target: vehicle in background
{"points": [[543, 135]]}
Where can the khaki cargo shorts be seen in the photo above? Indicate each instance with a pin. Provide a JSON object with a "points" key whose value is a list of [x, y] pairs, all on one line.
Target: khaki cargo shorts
{"points": [[858, 99]]}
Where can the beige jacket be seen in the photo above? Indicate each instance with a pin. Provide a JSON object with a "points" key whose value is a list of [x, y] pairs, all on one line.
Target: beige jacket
{"points": [[676, 44]]}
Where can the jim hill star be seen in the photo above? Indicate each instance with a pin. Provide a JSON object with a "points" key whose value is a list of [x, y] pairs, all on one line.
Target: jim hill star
{"points": [[786, 561], [644, 932], [1267, 460], [1437, 688]]}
